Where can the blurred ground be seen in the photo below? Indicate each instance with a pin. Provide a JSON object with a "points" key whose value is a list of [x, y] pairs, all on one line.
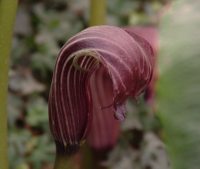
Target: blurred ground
{"points": [[42, 27]]}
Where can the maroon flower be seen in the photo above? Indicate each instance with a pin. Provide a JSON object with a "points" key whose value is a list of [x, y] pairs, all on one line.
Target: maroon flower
{"points": [[105, 129], [150, 34], [95, 72]]}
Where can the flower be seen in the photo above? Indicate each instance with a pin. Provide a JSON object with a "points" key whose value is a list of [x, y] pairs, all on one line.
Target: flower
{"points": [[105, 129], [96, 71]]}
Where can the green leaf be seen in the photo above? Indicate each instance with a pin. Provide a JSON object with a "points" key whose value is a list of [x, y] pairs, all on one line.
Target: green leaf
{"points": [[178, 88], [43, 151], [17, 151], [37, 113]]}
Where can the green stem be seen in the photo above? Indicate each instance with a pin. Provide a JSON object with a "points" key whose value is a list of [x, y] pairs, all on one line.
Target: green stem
{"points": [[62, 161], [7, 17], [97, 12], [66, 161], [93, 159]]}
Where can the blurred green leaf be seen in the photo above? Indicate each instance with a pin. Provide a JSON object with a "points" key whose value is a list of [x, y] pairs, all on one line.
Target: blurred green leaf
{"points": [[37, 113], [43, 151], [22, 82], [22, 166], [14, 109], [17, 143], [178, 88]]}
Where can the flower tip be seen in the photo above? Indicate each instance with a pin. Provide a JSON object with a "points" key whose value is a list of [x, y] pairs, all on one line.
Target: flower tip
{"points": [[120, 112]]}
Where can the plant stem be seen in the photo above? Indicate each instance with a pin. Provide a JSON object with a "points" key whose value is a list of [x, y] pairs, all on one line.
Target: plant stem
{"points": [[7, 17], [97, 12], [93, 159], [65, 161], [62, 161]]}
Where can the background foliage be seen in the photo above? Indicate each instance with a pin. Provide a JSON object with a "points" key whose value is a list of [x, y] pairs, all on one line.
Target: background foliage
{"points": [[42, 27], [178, 88]]}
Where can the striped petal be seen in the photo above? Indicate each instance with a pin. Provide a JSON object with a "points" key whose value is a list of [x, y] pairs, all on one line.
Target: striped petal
{"points": [[105, 129], [150, 34], [79, 89]]}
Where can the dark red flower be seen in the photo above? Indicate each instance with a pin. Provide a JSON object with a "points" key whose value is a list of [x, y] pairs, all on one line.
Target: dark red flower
{"points": [[105, 129], [150, 34], [96, 71]]}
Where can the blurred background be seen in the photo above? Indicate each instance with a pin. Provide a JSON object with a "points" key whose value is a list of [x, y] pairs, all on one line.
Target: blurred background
{"points": [[41, 29]]}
